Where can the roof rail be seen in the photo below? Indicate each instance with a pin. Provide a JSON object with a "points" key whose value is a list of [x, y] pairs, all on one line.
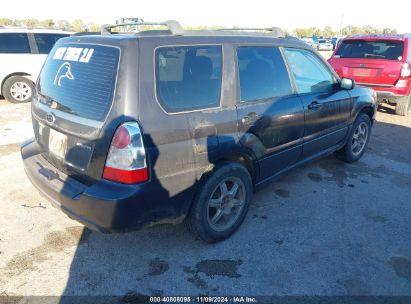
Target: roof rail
{"points": [[276, 31], [174, 26]]}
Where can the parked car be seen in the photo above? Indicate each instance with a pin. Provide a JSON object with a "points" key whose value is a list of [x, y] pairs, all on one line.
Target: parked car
{"points": [[381, 62], [324, 45], [22, 54], [308, 40], [335, 41], [167, 126]]}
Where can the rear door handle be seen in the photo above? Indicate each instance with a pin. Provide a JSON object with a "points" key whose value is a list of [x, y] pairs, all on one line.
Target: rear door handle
{"points": [[315, 105]]}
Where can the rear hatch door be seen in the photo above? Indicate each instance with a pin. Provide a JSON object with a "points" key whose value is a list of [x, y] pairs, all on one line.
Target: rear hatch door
{"points": [[370, 62], [75, 93]]}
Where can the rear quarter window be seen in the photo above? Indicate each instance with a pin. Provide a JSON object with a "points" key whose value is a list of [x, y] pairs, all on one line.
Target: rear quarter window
{"points": [[188, 77], [14, 43], [80, 79]]}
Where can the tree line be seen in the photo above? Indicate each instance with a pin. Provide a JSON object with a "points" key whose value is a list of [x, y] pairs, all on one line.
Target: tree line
{"points": [[76, 25], [79, 25], [347, 30]]}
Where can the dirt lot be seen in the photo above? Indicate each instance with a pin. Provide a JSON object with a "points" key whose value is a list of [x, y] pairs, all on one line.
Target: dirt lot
{"points": [[328, 228]]}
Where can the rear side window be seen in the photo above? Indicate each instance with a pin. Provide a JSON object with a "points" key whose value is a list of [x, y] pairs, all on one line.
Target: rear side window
{"points": [[388, 50], [45, 42], [14, 43], [263, 73], [188, 77], [80, 79], [310, 73]]}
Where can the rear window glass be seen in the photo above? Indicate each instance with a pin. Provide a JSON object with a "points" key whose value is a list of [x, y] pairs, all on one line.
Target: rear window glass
{"points": [[388, 50], [14, 43], [45, 42], [80, 79], [263, 73], [188, 77]]}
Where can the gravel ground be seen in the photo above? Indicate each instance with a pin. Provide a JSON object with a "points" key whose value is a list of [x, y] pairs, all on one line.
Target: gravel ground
{"points": [[328, 228]]}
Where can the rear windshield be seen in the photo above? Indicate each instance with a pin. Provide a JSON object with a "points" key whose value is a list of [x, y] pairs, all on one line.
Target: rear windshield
{"points": [[388, 50], [80, 79]]}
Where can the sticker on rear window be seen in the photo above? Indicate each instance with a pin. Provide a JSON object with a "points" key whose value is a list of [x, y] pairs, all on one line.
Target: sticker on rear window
{"points": [[73, 54], [63, 72], [80, 79]]}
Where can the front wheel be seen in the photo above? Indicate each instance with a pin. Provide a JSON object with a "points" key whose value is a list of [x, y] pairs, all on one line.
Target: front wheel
{"points": [[18, 89], [357, 141], [221, 203]]}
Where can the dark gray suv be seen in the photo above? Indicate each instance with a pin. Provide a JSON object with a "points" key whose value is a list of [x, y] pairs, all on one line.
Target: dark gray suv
{"points": [[166, 126]]}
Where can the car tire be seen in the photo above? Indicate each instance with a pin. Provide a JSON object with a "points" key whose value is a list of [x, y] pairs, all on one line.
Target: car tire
{"points": [[218, 211], [358, 138], [403, 106], [18, 89]]}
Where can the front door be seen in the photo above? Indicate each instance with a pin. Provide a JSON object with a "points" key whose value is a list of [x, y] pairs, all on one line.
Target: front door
{"points": [[326, 105]]}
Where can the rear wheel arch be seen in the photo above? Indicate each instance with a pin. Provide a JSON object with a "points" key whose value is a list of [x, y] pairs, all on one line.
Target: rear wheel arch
{"points": [[18, 89], [197, 219], [244, 160], [23, 74]]}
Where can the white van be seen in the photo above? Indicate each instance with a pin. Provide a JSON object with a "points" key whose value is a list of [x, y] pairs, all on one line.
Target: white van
{"points": [[22, 54]]}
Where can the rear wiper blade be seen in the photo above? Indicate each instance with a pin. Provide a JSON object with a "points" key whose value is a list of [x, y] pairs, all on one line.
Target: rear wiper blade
{"points": [[366, 55]]}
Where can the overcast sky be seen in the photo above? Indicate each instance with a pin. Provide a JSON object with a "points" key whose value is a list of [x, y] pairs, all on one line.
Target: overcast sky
{"points": [[260, 13]]}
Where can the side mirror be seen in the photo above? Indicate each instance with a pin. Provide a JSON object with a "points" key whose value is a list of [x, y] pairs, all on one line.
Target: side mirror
{"points": [[347, 84]]}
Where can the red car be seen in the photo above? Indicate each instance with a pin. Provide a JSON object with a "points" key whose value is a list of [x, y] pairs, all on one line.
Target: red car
{"points": [[382, 62]]}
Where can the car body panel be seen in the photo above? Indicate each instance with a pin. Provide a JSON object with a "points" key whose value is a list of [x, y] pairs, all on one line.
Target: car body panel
{"points": [[382, 75], [181, 147]]}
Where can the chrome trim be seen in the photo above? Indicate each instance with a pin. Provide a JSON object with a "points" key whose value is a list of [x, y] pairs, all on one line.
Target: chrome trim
{"points": [[66, 116], [375, 85]]}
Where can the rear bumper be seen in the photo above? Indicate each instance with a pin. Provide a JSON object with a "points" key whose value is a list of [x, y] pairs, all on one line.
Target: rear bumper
{"points": [[391, 93], [104, 206], [387, 96]]}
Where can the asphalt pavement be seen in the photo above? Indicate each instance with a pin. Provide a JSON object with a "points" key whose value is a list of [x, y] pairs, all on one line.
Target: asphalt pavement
{"points": [[328, 228]]}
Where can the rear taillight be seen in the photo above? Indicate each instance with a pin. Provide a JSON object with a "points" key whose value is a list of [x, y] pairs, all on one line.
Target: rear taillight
{"points": [[405, 70], [126, 161]]}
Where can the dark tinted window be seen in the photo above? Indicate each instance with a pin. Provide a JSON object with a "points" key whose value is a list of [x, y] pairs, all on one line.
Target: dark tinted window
{"points": [[391, 50], [188, 77], [263, 73], [14, 43], [310, 73], [45, 42], [80, 79]]}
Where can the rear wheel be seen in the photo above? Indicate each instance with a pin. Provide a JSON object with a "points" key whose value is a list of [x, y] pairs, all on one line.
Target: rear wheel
{"points": [[221, 203], [18, 89], [403, 106], [358, 139]]}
